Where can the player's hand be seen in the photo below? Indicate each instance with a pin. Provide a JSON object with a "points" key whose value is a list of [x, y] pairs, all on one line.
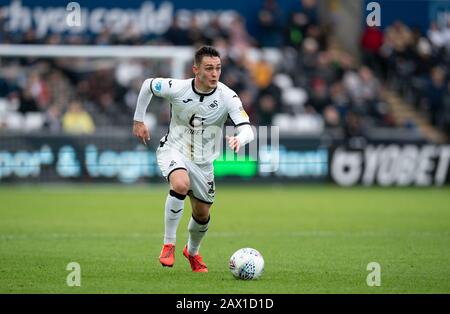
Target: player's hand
{"points": [[141, 132], [234, 143]]}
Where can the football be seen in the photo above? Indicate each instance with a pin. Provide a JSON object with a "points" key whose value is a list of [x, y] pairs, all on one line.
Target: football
{"points": [[246, 264]]}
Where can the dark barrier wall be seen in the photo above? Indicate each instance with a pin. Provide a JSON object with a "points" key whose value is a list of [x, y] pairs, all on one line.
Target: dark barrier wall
{"points": [[392, 164], [37, 158], [150, 18]]}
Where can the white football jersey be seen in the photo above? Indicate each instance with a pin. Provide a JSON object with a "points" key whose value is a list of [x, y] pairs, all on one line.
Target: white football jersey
{"points": [[197, 119]]}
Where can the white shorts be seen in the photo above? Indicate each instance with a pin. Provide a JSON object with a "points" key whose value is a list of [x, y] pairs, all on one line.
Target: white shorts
{"points": [[201, 177]]}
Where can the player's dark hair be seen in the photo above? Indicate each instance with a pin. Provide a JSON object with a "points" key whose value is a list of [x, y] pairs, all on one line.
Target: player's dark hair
{"points": [[207, 51]]}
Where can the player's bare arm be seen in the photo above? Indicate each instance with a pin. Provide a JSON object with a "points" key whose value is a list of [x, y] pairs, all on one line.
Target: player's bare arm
{"points": [[141, 132], [234, 143], [244, 136]]}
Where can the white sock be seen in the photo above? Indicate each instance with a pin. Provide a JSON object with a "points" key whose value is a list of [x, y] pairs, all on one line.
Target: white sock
{"points": [[172, 215], [196, 233]]}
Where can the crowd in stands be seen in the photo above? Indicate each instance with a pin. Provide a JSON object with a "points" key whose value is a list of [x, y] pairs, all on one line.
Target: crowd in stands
{"points": [[313, 86], [416, 64]]}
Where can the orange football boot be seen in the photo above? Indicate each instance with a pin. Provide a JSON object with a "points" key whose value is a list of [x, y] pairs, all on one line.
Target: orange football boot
{"points": [[167, 256], [197, 264]]}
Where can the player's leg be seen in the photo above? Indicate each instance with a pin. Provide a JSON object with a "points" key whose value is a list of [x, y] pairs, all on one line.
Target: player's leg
{"points": [[198, 226], [173, 211], [201, 197], [179, 187], [174, 169]]}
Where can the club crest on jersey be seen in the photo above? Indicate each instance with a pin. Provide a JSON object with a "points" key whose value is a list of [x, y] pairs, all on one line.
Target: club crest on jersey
{"points": [[213, 105]]}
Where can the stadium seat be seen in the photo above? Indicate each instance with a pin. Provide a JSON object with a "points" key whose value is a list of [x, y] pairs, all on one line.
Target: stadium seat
{"points": [[295, 97], [14, 121], [34, 121]]}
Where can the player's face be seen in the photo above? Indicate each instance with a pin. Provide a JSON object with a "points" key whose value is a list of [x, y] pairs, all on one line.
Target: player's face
{"points": [[208, 72]]}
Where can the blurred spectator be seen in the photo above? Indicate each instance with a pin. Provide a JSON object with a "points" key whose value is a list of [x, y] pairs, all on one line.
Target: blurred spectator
{"points": [[195, 34], [423, 60], [315, 32], [323, 70], [447, 36], [399, 36], [370, 86], [130, 36], [306, 64], [267, 108], [371, 42], [436, 35], [108, 106], [318, 97], [60, 88], [310, 11], [353, 125], [52, 120], [331, 117], [128, 70], [363, 89], [29, 37], [27, 102], [214, 32], [261, 72], [270, 19], [435, 95], [4, 87], [77, 121], [132, 94], [104, 38], [103, 88], [238, 37], [54, 39], [295, 29], [268, 104], [446, 110], [339, 101]]}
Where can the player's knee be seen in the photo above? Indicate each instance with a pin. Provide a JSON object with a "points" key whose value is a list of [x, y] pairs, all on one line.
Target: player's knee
{"points": [[201, 218], [180, 186]]}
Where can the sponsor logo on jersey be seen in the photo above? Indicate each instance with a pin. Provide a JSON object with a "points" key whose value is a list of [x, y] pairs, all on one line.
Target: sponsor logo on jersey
{"points": [[193, 132], [196, 121], [213, 105], [158, 86], [187, 100]]}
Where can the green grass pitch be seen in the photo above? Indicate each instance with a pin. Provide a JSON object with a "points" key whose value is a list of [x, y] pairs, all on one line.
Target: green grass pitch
{"points": [[314, 239]]}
